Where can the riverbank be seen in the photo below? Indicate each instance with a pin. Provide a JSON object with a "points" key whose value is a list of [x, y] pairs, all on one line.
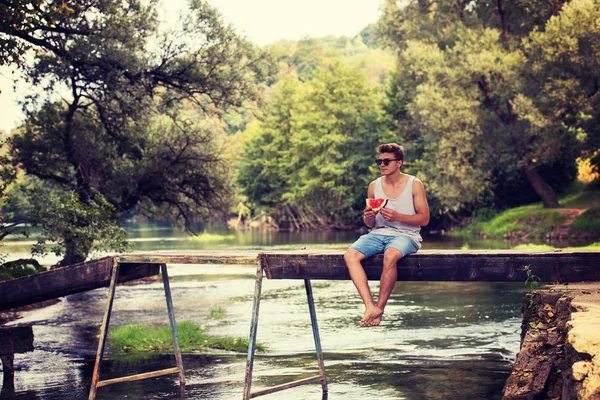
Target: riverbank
{"points": [[576, 222], [560, 345]]}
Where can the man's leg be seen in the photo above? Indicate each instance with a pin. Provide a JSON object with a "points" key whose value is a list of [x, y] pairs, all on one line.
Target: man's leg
{"points": [[389, 275], [359, 278]]}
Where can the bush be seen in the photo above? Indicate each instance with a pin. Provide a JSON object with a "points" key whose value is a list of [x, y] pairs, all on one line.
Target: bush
{"points": [[18, 268]]}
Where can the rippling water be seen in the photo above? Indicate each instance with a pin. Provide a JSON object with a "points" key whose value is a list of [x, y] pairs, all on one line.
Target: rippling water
{"points": [[438, 340]]}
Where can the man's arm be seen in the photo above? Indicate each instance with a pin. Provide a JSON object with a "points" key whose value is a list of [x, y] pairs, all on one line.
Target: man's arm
{"points": [[368, 213], [421, 205]]}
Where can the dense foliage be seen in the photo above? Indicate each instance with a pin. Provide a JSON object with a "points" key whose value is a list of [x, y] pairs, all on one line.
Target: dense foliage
{"points": [[137, 125], [493, 94], [492, 100], [307, 162]]}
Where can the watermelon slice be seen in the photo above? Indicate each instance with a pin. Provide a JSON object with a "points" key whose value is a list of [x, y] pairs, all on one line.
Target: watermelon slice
{"points": [[376, 204]]}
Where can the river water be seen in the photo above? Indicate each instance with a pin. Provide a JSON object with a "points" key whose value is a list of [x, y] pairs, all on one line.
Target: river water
{"points": [[438, 340]]}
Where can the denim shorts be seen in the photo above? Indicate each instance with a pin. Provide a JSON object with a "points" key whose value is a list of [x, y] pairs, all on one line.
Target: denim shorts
{"points": [[372, 243]]}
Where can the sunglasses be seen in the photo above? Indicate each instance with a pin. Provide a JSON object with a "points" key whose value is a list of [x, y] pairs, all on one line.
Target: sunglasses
{"points": [[386, 161]]}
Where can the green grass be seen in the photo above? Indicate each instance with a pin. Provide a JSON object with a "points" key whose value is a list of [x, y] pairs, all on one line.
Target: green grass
{"points": [[191, 336], [593, 246], [587, 224], [534, 221], [217, 312], [531, 220], [585, 199]]}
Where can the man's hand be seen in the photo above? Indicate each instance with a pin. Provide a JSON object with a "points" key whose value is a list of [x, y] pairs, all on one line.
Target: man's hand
{"points": [[369, 216], [368, 213], [389, 214]]}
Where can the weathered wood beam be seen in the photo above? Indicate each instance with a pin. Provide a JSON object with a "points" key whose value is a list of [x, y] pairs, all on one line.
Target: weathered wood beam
{"points": [[15, 339], [490, 266], [432, 265], [204, 257], [67, 280], [426, 265]]}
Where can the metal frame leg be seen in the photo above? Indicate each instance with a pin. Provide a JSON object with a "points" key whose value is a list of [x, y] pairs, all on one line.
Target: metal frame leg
{"points": [[104, 330], [96, 382], [253, 329], [248, 394], [315, 328], [170, 311]]}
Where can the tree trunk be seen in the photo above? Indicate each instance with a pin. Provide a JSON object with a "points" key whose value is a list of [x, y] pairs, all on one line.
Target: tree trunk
{"points": [[503, 18], [540, 186], [71, 258], [75, 253]]}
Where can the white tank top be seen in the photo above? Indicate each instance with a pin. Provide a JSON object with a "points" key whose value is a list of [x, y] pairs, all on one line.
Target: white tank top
{"points": [[404, 204]]}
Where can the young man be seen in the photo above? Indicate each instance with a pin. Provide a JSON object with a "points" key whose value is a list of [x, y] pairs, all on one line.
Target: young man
{"points": [[395, 229]]}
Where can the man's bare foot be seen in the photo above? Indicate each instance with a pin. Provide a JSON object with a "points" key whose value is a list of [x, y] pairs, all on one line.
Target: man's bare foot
{"points": [[376, 321], [372, 313]]}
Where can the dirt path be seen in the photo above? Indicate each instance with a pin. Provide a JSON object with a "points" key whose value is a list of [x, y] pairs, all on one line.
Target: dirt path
{"points": [[571, 214]]}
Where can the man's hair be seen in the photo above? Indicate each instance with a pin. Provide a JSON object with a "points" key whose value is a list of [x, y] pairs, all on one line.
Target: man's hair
{"points": [[392, 148]]}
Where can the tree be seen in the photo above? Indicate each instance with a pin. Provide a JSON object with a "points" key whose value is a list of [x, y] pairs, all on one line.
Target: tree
{"points": [[7, 177], [310, 160], [25, 17], [268, 162], [340, 131], [307, 58], [14, 268], [564, 57], [465, 87], [137, 126]]}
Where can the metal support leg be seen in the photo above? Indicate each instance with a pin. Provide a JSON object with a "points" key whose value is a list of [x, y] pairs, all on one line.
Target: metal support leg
{"points": [[315, 328], [253, 329], [248, 394], [178, 360], [104, 331], [96, 382]]}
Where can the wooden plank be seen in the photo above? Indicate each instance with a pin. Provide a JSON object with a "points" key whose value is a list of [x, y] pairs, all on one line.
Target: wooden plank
{"points": [[15, 339], [490, 266], [439, 265], [204, 257], [67, 280]]}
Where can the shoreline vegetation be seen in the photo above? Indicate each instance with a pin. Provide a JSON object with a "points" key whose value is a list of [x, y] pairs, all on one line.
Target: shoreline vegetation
{"points": [[576, 221], [192, 337]]}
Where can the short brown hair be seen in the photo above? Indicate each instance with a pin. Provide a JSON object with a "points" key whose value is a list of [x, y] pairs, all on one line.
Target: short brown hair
{"points": [[392, 148]]}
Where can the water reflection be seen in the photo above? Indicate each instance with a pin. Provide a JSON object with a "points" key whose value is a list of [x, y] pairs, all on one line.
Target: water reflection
{"points": [[153, 237]]}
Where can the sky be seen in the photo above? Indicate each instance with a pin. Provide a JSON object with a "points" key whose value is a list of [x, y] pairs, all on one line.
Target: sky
{"points": [[261, 21]]}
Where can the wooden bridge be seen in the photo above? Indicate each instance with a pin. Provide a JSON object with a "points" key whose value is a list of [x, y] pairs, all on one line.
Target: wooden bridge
{"points": [[466, 266]]}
